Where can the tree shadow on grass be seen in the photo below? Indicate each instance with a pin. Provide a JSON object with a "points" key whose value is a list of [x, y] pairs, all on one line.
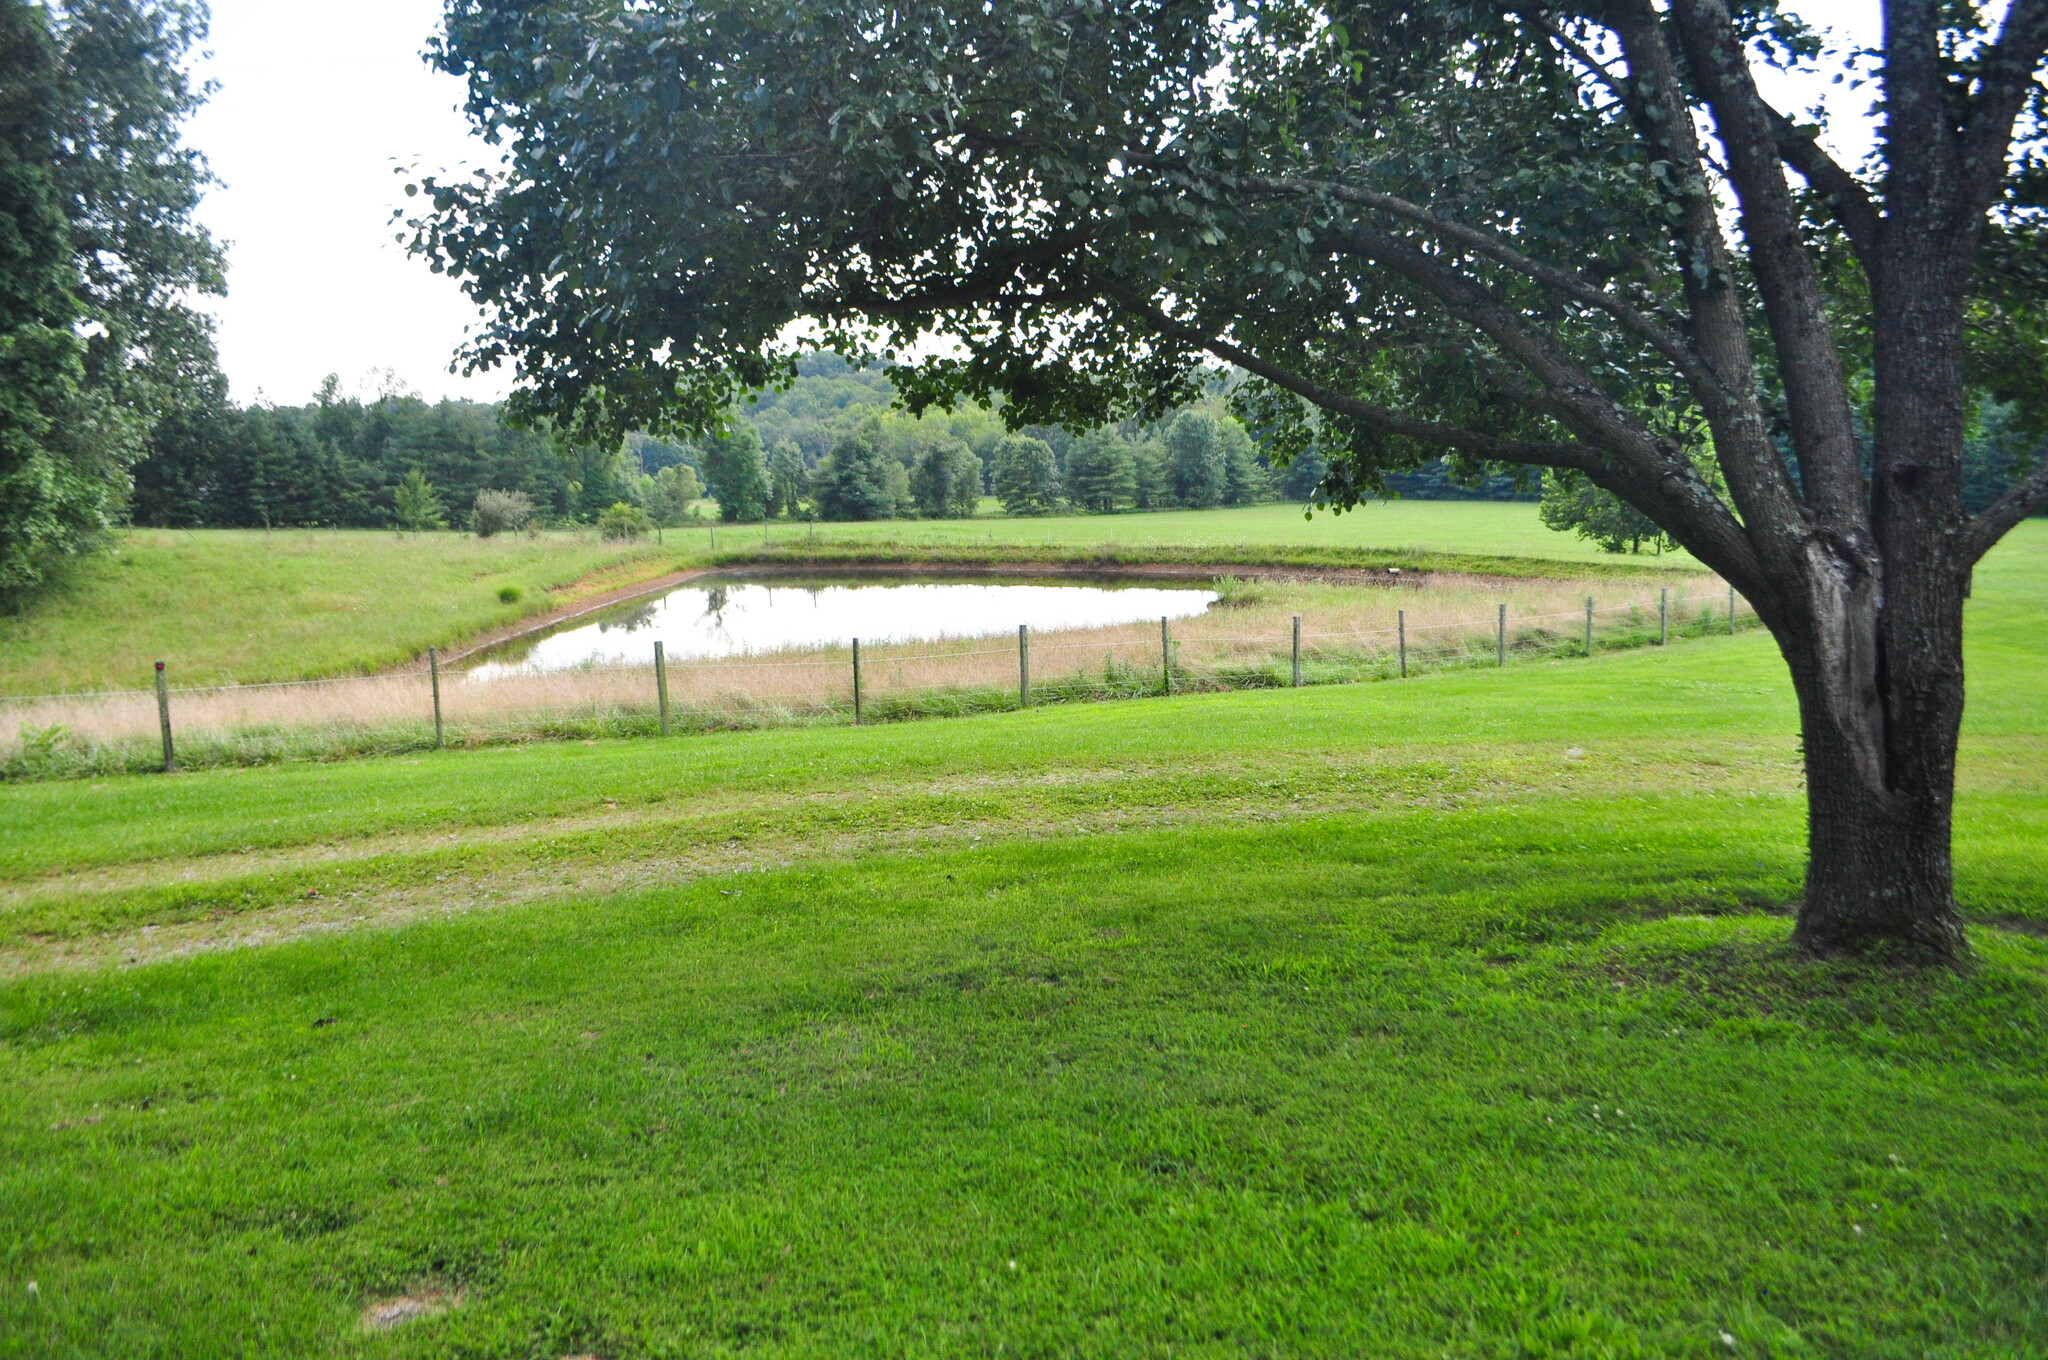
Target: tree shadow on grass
{"points": [[1694, 972]]}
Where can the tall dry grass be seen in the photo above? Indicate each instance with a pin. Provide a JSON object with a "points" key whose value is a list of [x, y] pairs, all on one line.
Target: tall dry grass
{"points": [[1349, 632]]}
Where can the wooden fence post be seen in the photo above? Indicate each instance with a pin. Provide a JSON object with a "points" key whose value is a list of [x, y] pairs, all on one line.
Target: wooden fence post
{"points": [[856, 682], [661, 684], [1297, 651], [1731, 611], [1401, 626], [434, 673], [1023, 666], [1589, 625], [163, 716], [1664, 616], [1500, 637], [1165, 659]]}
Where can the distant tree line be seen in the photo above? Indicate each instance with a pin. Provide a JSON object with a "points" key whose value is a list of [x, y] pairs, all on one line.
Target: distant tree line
{"points": [[830, 447], [344, 462]]}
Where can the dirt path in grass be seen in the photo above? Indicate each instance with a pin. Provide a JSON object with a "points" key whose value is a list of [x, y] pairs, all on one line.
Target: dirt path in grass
{"points": [[120, 915]]}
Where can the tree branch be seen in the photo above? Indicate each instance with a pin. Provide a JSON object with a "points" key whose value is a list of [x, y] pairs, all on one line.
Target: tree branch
{"points": [[1653, 475], [2009, 71], [1637, 323], [1758, 480], [1491, 447], [2028, 497], [1845, 193], [1817, 393]]}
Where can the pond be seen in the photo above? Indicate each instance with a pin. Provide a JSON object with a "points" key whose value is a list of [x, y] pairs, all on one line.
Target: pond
{"points": [[741, 615]]}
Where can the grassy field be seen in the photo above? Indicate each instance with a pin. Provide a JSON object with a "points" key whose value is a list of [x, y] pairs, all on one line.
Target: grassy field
{"points": [[1482, 528], [231, 606], [243, 606], [1453, 1017]]}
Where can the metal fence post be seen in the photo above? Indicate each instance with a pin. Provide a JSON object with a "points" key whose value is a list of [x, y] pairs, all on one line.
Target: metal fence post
{"points": [[434, 672], [163, 716], [1664, 616], [1023, 666], [1297, 651], [1731, 610], [661, 684], [1401, 630], [856, 682], [1165, 659], [1500, 637], [1589, 625]]}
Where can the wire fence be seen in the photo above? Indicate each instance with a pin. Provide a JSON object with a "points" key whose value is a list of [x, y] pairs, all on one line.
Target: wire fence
{"points": [[69, 735]]}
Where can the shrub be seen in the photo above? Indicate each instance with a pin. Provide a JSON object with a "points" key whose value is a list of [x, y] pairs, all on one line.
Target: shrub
{"points": [[498, 512], [508, 594], [623, 522]]}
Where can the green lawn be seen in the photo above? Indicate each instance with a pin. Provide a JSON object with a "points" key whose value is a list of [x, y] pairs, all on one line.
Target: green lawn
{"points": [[1448, 1017], [244, 606]]}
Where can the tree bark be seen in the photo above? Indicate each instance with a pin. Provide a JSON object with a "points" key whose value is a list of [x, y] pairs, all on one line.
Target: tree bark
{"points": [[1878, 871]]}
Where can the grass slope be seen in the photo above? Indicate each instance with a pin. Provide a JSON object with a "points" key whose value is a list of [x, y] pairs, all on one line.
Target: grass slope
{"points": [[1390, 1020], [230, 606]]}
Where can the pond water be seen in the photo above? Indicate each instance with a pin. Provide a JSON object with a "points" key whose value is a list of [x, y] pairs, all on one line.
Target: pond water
{"points": [[736, 616]]}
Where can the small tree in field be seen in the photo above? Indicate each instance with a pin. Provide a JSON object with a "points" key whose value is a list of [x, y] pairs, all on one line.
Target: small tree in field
{"points": [[416, 504], [1496, 231]]}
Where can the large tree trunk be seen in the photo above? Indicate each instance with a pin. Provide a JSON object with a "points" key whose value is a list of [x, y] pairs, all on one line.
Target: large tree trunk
{"points": [[1879, 724]]}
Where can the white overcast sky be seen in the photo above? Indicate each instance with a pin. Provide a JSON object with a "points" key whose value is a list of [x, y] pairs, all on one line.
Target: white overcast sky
{"points": [[319, 101]]}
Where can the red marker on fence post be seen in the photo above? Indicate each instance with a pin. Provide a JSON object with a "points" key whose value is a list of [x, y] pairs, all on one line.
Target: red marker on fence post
{"points": [[163, 716]]}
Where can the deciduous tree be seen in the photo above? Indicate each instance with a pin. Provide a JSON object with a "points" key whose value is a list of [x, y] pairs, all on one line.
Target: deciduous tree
{"points": [[1434, 226]]}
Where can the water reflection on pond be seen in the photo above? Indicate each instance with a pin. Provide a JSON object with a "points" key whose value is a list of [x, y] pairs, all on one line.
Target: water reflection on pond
{"points": [[737, 616]]}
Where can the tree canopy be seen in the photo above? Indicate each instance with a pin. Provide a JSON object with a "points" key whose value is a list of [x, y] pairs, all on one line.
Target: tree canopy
{"points": [[99, 258]]}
